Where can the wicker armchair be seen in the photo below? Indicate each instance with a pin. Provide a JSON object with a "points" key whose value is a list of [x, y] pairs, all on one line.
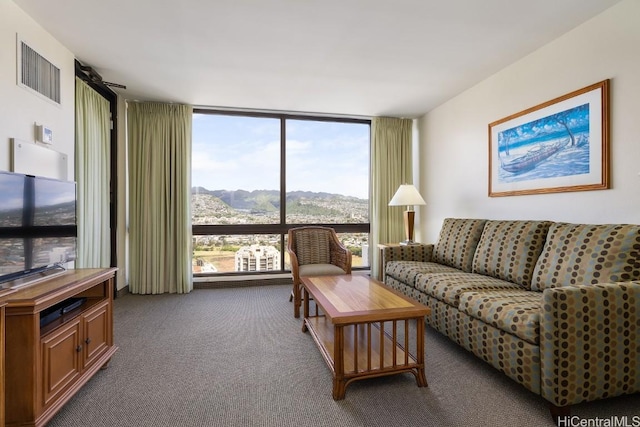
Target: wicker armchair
{"points": [[315, 251]]}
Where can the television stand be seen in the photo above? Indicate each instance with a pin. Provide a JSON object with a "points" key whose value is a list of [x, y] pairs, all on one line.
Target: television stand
{"points": [[48, 362]]}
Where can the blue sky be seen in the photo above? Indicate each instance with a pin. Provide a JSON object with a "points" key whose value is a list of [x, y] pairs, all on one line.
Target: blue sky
{"points": [[235, 152]]}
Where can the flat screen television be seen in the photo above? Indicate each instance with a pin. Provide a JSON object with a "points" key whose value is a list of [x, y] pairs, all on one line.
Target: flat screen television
{"points": [[38, 227]]}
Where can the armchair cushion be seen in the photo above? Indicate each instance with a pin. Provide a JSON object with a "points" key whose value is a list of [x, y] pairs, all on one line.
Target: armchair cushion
{"points": [[309, 270]]}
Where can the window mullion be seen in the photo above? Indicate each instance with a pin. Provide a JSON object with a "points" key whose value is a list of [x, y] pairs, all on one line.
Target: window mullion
{"points": [[283, 185]]}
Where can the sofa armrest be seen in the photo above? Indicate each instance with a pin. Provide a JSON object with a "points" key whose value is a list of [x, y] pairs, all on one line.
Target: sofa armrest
{"points": [[419, 252], [590, 342]]}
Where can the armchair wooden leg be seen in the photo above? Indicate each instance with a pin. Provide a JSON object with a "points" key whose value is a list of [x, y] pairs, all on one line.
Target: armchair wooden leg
{"points": [[296, 300]]}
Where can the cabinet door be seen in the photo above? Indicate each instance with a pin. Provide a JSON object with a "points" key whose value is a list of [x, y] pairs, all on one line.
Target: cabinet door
{"points": [[61, 351], [96, 333], [2, 321]]}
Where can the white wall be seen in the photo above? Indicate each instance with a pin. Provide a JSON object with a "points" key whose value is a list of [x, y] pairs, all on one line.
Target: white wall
{"points": [[453, 147], [20, 109]]}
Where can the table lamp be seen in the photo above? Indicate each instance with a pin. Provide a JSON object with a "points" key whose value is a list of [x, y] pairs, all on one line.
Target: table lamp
{"points": [[407, 195]]}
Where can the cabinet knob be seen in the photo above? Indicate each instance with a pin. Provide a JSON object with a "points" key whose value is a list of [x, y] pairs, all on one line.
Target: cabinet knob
{"points": [[87, 341], [79, 348]]}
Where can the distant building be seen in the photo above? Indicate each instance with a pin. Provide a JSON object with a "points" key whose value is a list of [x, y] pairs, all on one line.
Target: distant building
{"points": [[257, 258], [61, 254], [365, 254], [202, 266]]}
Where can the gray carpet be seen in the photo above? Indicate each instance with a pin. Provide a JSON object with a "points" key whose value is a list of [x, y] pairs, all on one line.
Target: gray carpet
{"points": [[237, 357]]}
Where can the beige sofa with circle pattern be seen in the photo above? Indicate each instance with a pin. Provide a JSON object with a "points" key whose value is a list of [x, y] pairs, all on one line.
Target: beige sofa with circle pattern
{"points": [[554, 306]]}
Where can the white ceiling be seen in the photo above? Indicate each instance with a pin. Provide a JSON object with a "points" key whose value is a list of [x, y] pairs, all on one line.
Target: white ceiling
{"points": [[353, 57]]}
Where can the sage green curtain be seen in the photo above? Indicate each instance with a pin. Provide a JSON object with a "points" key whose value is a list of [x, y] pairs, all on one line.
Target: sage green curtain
{"points": [[390, 167], [92, 173], [159, 198]]}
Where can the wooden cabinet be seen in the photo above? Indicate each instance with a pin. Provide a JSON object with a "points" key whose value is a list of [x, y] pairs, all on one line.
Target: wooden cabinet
{"points": [[2, 364], [47, 364], [4, 293]]}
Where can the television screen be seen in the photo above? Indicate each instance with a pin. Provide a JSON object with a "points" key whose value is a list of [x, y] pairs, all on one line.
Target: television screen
{"points": [[37, 224]]}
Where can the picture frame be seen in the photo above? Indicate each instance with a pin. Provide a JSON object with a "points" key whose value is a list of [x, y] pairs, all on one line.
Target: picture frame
{"points": [[559, 146]]}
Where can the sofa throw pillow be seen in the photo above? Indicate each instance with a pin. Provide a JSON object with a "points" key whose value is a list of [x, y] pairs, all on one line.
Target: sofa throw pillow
{"points": [[457, 242], [584, 254], [508, 250], [312, 247]]}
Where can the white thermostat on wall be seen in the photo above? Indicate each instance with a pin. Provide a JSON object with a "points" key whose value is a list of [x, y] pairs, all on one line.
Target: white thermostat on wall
{"points": [[44, 134]]}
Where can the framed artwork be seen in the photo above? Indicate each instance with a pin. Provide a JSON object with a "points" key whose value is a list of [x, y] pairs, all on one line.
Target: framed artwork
{"points": [[561, 145]]}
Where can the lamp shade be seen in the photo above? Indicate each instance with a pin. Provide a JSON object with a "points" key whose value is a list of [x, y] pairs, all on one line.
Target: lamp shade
{"points": [[407, 195]]}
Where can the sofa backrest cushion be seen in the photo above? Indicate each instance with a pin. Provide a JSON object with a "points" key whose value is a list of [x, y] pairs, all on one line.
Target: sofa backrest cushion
{"points": [[457, 242], [584, 254], [508, 250]]}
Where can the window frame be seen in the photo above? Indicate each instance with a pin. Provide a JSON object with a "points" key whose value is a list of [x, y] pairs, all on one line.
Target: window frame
{"points": [[282, 228]]}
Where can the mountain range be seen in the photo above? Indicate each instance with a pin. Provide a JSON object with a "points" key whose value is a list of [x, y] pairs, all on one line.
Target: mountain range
{"points": [[308, 203]]}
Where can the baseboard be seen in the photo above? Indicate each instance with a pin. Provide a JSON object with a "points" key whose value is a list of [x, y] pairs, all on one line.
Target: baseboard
{"points": [[214, 284], [122, 292]]}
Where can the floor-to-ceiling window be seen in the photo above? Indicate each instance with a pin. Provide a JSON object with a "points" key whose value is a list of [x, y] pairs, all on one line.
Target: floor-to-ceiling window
{"points": [[254, 176]]}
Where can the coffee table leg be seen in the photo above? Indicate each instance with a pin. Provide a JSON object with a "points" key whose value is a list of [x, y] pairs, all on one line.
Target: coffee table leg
{"points": [[421, 378], [339, 384], [339, 389]]}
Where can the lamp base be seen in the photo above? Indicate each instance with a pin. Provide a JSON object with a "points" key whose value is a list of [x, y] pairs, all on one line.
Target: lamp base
{"points": [[408, 225]]}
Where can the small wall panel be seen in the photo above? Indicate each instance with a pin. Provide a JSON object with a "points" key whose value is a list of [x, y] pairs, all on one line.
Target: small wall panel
{"points": [[32, 159]]}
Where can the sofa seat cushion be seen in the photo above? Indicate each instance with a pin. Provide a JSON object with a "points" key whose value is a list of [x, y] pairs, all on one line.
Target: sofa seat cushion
{"points": [[515, 312], [447, 287], [586, 254], [310, 270], [407, 271]]}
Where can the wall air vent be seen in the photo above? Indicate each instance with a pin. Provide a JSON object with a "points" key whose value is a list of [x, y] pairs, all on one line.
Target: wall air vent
{"points": [[38, 74]]}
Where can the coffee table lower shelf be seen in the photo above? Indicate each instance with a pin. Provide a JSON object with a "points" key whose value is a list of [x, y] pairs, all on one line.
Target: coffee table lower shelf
{"points": [[355, 351]]}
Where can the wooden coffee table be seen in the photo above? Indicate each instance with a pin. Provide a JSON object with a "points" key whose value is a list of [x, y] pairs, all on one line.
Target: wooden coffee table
{"points": [[362, 329]]}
